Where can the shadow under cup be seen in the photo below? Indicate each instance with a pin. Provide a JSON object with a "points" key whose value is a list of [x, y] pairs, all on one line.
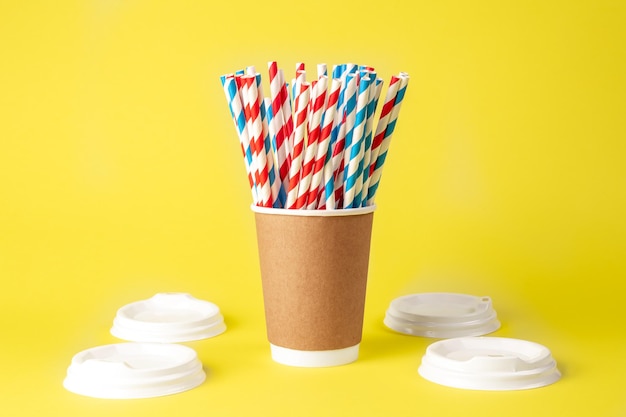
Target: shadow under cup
{"points": [[314, 266]]}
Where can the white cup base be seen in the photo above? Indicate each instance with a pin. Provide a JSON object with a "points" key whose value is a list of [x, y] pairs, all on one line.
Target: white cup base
{"points": [[314, 358]]}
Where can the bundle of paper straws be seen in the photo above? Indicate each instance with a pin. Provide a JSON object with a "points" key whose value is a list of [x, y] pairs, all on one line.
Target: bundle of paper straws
{"points": [[314, 147]]}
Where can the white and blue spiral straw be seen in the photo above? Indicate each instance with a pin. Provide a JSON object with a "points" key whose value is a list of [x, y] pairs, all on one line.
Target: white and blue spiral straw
{"points": [[274, 178], [384, 147], [272, 129], [375, 90], [236, 110], [353, 174]]}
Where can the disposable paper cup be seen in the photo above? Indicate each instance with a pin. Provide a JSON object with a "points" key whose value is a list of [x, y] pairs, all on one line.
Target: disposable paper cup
{"points": [[314, 267]]}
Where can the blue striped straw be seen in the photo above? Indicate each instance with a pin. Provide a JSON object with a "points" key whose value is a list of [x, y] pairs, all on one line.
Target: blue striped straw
{"points": [[353, 175], [375, 90], [351, 68], [391, 125], [236, 110], [350, 110], [350, 106], [341, 73], [267, 105]]}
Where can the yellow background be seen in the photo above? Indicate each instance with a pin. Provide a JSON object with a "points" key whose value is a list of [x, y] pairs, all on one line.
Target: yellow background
{"points": [[121, 176]]}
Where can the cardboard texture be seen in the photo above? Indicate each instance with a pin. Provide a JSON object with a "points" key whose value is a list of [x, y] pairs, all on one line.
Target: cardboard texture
{"points": [[314, 275]]}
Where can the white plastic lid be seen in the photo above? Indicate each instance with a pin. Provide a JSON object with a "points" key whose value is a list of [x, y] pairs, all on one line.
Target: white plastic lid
{"points": [[134, 370], [442, 315], [489, 363], [168, 318]]}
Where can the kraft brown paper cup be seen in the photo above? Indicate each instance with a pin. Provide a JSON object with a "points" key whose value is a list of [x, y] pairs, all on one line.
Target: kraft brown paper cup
{"points": [[314, 267]]}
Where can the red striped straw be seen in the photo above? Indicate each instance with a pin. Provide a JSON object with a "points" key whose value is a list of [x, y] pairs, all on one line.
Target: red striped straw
{"points": [[323, 144], [298, 81], [234, 101], [279, 122], [275, 183], [275, 180], [376, 165], [242, 93], [320, 203], [312, 98], [385, 112], [338, 165], [253, 116], [272, 124], [316, 104], [300, 111], [287, 115], [339, 186]]}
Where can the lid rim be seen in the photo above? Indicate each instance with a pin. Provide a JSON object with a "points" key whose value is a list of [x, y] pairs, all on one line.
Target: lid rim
{"points": [[521, 364], [120, 333], [184, 318], [171, 368], [453, 315]]}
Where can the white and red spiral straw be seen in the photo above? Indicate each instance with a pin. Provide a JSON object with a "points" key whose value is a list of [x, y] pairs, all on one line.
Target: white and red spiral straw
{"points": [[316, 109], [282, 131], [300, 111], [323, 145], [252, 110]]}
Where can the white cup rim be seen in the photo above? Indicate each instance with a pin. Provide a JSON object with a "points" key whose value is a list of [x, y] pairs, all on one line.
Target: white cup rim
{"points": [[314, 213]]}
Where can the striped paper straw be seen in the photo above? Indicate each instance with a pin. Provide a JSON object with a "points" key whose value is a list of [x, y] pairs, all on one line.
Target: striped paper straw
{"points": [[353, 180], [342, 74], [339, 185], [338, 166], [323, 147], [322, 70], [296, 83], [282, 193], [272, 126], [375, 90], [287, 115], [277, 102], [242, 94], [320, 204], [275, 181], [300, 78], [236, 110], [300, 112], [317, 100], [250, 145], [383, 119], [336, 72], [312, 99], [351, 68], [384, 146], [335, 152], [252, 110], [350, 112]]}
